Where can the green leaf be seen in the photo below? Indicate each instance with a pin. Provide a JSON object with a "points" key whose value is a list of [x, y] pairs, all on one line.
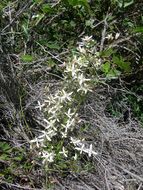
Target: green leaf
{"points": [[138, 29], [4, 157], [83, 3], [4, 146], [119, 61], [89, 23], [46, 8], [73, 2], [25, 29], [113, 73], [27, 58], [107, 52], [106, 67], [53, 45], [50, 63], [37, 1], [124, 3], [72, 23], [18, 158]]}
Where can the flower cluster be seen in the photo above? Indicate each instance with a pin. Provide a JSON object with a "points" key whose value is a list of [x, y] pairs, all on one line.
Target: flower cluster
{"points": [[75, 71], [80, 146], [111, 37], [61, 113]]}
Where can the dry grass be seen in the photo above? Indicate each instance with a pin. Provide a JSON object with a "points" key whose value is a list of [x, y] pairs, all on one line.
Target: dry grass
{"points": [[118, 165]]}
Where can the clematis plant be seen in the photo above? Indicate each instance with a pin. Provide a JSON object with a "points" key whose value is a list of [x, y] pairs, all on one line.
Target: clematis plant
{"points": [[61, 109]]}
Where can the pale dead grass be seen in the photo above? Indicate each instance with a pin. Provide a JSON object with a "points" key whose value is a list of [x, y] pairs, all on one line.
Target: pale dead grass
{"points": [[119, 143]]}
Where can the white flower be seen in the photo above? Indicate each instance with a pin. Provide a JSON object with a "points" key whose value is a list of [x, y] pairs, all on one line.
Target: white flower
{"points": [[81, 49], [88, 151], [43, 136], [40, 106], [64, 152], [75, 157], [48, 157], [64, 134], [51, 100], [75, 141], [82, 79], [81, 149], [69, 114], [97, 62], [87, 38], [37, 141], [53, 110], [110, 37], [47, 134], [117, 36], [82, 62], [68, 124], [49, 124], [72, 68], [54, 117], [84, 88], [65, 96], [35, 16]]}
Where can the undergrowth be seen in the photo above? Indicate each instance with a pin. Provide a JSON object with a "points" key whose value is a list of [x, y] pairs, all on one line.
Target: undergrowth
{"points": [[57, 54]]}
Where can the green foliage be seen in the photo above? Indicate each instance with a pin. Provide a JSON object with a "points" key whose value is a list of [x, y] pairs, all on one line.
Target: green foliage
{"points": [[138, 29], [136, 102], [16, 162], [27, 58], [114, 64], [3, 4], [52, 31], [124, 3], [53, 45], [4, 146], [83, 3], [106, 67], [121, 63], [131, 101]]}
